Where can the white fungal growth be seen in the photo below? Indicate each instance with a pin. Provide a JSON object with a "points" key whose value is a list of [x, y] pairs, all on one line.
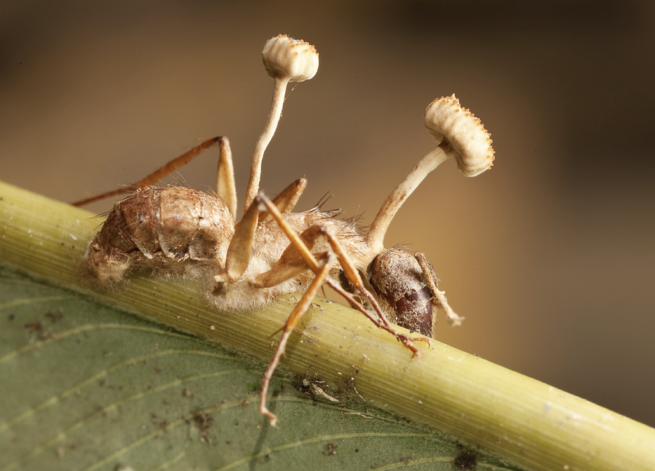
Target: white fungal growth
{"points": [[287, 57], [273, 251], [460, 135], [448, 121]]}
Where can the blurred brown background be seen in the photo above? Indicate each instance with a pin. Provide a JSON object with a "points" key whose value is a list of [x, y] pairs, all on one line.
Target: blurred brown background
{"points": [[550, 256]]}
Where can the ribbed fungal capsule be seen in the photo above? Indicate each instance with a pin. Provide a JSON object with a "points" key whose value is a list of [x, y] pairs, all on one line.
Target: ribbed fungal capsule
{"points": [[450, 124], [292, 58]]}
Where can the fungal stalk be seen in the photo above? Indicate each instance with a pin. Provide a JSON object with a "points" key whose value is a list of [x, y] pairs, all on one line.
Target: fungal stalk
{"points": [[460, 135], [286, 60]]}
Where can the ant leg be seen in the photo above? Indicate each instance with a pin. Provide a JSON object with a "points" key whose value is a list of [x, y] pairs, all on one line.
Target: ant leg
{"points": [[380, 321], [291, 262], [238, 253], [439, 296], [356, 282], [295, 239], [299, 310], [225, 186], [157, 175], [349, 269], [287, 200]]}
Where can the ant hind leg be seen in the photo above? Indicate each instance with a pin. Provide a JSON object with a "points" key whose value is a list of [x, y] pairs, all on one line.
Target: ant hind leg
{"points": [[225, 186], [299, 246], [238, 253], [161, 172]]}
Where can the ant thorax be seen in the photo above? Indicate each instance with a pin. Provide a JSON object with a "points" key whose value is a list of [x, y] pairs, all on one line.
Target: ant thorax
{"points": [[269, 245], [272, 250]]}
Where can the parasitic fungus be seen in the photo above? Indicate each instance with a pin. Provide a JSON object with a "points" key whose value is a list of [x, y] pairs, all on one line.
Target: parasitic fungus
{"points": [[457, 127], [460, 135], [286, 60]]}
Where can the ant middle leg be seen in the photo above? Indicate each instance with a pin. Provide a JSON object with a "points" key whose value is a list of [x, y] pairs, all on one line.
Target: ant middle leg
{"points": [[288, 198], [301, 308], [290, 264]]}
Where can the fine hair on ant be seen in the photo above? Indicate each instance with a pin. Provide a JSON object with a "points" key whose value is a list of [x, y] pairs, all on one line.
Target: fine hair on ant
{"points": [[274, 251]]}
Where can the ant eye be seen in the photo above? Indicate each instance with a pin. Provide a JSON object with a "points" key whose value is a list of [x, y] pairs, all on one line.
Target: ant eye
{"points": [[398, 280]]}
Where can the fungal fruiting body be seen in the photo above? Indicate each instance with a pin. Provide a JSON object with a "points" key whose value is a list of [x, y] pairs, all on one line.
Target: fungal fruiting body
{"points": [[272, 250], [288, 58], [458, 128]]}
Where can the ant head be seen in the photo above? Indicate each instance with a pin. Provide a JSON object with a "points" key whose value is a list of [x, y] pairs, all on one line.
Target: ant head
{"points": [[398, 280]]}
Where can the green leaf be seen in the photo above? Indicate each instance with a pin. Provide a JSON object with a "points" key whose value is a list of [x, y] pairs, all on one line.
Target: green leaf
{"points": [[90, 387]]}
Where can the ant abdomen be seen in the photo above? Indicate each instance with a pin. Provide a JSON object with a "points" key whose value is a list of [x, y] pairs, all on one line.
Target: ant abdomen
{"points": [[398, 280], [159, 228]]}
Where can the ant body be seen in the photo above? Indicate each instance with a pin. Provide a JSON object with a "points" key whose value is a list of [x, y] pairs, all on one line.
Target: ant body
{"points": [[272, 250]]}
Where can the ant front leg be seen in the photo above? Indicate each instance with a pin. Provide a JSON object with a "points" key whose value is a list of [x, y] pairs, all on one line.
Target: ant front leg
{"points": [[439, 296], [356, 282], [296, 314], [290, 264]]}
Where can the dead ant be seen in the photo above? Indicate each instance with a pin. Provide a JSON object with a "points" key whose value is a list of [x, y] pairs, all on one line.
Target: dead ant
{"points": [[250, 263]]}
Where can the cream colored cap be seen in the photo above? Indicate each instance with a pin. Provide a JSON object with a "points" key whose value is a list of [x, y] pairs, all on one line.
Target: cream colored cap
{"points": [[448, 121], [291, 58]]}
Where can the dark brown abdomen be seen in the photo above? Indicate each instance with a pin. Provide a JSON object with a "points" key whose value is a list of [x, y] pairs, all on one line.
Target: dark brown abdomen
{"points": [[159, 227]]}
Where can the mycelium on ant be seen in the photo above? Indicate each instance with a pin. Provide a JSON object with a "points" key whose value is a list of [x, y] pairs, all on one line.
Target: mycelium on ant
{"points": [[273, 251]]}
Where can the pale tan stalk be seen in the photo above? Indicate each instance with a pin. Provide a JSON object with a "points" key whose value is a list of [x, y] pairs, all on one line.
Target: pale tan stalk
{"points": [[397, 197], [279, 89]]}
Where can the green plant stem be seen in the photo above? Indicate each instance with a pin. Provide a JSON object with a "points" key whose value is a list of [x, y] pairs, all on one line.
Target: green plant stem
{"points": [[522, 420]]}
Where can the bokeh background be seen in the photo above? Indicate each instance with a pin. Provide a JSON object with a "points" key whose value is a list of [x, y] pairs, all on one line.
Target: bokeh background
{"points": [[550, 256]]}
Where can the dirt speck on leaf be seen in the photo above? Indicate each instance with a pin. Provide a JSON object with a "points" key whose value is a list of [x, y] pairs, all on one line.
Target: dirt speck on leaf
{"points": [[467, 460], [204, 422], [54, 317], [330, 449]]}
